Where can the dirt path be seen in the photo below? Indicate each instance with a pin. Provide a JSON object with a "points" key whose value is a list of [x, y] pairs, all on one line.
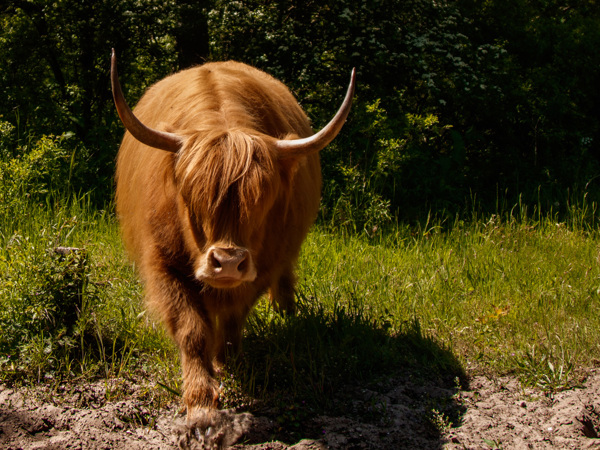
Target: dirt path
{"points": [[400, 414], [501, 413]]}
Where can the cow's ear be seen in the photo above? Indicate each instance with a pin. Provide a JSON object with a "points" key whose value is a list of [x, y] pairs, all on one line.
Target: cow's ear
{"points": [[288, 168], [289, 165]]}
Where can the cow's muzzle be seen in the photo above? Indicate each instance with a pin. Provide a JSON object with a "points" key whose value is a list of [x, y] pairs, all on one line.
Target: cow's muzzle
{"points": [[226, 267]]}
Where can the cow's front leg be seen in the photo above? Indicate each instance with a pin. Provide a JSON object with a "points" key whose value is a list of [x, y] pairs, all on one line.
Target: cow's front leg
{"points": [[206, 426], [190, 327], [200, 388]]}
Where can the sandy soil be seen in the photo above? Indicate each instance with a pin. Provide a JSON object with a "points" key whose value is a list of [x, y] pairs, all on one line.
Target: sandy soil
{"points": [[397, 414]]}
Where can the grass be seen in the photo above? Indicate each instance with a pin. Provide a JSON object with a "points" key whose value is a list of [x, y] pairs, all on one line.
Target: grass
{"points": [[500, 295], [71, 316], [497, 293]]}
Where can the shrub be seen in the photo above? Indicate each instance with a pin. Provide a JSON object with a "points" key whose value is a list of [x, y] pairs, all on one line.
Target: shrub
{"points": [[407, 166], [45, 166], [41, 299]]}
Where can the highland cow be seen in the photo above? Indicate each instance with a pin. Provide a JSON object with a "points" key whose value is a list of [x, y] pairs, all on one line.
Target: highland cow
{"points": [[218, 182]]}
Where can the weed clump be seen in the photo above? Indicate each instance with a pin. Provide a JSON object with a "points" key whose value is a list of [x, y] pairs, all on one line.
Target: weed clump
{"points": [[41, 300]]}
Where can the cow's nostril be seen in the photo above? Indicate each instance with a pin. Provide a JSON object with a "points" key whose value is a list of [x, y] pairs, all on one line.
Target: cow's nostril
{"points": [[214, 261], [242, 266]]}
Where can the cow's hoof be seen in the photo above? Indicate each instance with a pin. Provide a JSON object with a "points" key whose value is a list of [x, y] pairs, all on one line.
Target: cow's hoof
{"points": [[207, 428]]}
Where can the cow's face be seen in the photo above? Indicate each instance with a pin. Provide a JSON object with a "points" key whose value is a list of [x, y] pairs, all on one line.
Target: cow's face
{"points": [[229, 183]]}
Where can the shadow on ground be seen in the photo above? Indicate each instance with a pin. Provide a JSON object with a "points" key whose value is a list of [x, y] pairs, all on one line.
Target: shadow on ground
{"points": [[345, 380]]}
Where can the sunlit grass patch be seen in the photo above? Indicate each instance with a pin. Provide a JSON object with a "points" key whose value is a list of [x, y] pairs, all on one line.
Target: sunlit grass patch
{"points": [[486, 290], [493, 296]]}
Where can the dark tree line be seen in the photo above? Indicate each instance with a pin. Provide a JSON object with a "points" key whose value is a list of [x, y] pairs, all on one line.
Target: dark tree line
{"points": [[458, 101]]}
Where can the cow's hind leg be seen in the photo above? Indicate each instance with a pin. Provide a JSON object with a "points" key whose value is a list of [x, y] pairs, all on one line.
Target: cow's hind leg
{"points": [[282, 292], [228, 334]]}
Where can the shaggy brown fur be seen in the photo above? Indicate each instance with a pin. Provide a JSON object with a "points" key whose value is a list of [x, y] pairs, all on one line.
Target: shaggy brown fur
{"points": [[225, 188]]}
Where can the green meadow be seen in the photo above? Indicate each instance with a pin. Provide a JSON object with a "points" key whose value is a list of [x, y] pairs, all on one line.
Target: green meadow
{"points": [[507, 294]]}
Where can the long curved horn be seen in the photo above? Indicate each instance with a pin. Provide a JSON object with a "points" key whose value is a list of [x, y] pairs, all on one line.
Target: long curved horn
{"points": [[301, 147], [153, 138]]}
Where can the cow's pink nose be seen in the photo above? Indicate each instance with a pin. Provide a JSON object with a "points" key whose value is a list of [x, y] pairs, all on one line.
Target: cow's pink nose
{"points": [[230, 262]]}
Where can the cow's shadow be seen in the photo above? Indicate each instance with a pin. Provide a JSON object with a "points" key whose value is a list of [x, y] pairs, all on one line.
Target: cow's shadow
{"points": [[346, 379]]}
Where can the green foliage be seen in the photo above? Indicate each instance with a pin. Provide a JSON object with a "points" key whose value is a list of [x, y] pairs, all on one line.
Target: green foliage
{"points": [[544, 369], [69, 303], [512, 88], [411, 159], [546, 113], [62, 50], [515, 113], [32, 172], [41, 299]]}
